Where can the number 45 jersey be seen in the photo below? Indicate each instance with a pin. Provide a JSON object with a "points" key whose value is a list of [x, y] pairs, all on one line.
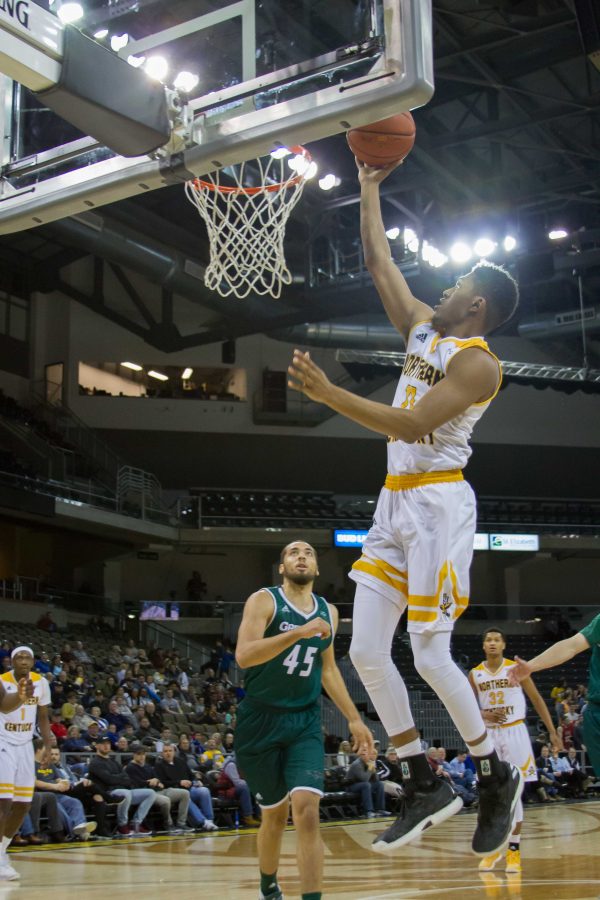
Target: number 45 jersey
{"points": [[428, 356], [292, 680]]}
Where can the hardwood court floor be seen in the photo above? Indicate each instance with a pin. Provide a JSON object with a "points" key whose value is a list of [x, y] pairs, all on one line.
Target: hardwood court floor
{"points": [[561, 851]]}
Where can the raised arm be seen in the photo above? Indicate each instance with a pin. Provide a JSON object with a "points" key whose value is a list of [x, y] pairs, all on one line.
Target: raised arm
{"points": [[253, 648], [402, 308]]}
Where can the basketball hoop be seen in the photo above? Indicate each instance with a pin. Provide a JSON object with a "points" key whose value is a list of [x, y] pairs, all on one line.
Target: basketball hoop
{"points": [[246, 224]]}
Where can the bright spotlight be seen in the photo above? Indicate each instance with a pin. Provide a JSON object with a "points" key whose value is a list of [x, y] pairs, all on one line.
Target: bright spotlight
{"points": [[70, 12], [118, 41], [311, 170], [281, 153], [302, 166], [433, 256], [186, 82], [484, 247], [187, 373], [99, 35], [136, 61], [509, 243], [411, 241], [156, 67], [393, 233], [460, 252], [327, 182], [557, 233]]}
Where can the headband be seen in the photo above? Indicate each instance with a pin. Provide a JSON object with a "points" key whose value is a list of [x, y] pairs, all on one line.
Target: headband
{"points": [[21, 650]]}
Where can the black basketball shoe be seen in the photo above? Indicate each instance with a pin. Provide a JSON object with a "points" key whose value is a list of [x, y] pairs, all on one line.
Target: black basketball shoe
{"points": [[421, 808], [497, 801]]}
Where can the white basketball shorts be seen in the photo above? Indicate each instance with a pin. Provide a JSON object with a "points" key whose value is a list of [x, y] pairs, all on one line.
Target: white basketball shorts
{"points": [[17, 772], [418, 551], [512, 744]]}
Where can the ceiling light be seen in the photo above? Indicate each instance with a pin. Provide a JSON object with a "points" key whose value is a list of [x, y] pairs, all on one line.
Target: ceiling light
{"points": [[509, 243], [433, 256], [460, 252], [118, 41], [186, 82], [136, 61], [557, 233], [281, 153], [101, 34], [158, 375], [484, 247], [69, 12], [311, 171], [156, 67], [301, 165], [392, 233], [133, 366], [411, 241], [187, 373], [327, 182]]}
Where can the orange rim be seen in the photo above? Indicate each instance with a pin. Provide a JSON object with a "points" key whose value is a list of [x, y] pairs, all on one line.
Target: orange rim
{"points": [[199, 183]]}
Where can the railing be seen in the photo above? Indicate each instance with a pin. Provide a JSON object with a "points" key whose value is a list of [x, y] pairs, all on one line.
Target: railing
{"points": [[24, 589]]}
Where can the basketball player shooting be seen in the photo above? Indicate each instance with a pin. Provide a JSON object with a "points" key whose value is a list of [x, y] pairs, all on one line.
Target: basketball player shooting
{"points": [[418, 551]]}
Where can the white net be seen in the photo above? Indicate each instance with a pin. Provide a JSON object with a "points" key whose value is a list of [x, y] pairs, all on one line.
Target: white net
{"points": [[246, 224]]}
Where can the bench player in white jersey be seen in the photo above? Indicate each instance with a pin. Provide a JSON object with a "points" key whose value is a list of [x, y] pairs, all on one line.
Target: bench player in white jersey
{"points": [[418, 552], [504, 710], [17, 730]]}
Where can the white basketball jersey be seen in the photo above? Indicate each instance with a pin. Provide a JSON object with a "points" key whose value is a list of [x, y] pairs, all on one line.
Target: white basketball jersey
{"points": [[427, 358], [18, 727], [494, 692]]}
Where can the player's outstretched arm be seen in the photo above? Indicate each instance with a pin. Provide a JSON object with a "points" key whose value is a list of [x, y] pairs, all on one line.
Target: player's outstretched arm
{"points": [[558, 653], [402, 307], [253, 648], [338, 692], [472, 378]]}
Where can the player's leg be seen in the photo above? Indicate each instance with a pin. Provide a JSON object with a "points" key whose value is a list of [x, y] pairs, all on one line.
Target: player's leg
{"points": [[309, 845], [273, 822]]}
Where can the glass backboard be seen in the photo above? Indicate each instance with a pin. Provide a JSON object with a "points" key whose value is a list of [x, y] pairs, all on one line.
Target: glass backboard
{"points": [[258, 74]]}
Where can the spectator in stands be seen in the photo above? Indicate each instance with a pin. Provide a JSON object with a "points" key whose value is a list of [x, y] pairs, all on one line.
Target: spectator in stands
{"points": [[74, 742], [108, 774], [131, 653], [173, 771], [228, 742], [69, 707], [81, 654], [546, 776], [46, 803], [166, 737], [186, 751], [5, 651], [389, 772], [572, 779], [66, 653], [196, 587], [85, 790], [143, 775], [170, 704], [459, 772], [42, 664], [362, 780], [57, 726], [82, 719], [48, 779], [57, 666], [212, 758], [566, 730], [146, 734], [467, 793], [576, 764], [114, 717], [230, 786], [344, 755], [47, 623]]}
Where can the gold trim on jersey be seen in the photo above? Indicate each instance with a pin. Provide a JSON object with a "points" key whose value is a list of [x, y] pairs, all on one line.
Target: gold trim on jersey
{"points": [[418, 479], [383, 571], [9, 676]]}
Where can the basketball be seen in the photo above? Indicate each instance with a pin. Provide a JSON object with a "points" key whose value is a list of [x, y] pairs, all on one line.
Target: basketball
{"points": [[384, 142]]}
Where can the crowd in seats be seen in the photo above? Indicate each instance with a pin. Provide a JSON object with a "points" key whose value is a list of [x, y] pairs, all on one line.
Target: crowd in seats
{"points": [[143, 740]]}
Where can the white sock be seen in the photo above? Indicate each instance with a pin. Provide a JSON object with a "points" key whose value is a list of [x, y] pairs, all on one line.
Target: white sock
{"points": [[4, 846], [411, 749], [483, 748]]}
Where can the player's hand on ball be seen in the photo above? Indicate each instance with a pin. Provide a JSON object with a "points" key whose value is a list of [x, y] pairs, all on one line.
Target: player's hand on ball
{"points": [[517, 673], [315, 628], [307, 378], [25, 689], [374, 174]]}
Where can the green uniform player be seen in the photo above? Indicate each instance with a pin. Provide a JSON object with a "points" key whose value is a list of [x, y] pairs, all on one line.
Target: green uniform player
{"points": [[561, 652], [285, 644]]}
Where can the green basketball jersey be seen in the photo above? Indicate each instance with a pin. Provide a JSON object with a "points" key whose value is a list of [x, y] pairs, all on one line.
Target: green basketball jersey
{"points": [[292, 680], [591, 633]]}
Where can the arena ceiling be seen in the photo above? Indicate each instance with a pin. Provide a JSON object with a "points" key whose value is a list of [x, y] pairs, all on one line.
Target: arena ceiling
{"points": [[509, 144]]}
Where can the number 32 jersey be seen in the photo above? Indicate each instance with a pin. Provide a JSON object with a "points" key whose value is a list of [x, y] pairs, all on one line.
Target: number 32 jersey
{"points": [[292, 680], [428, 356], [495, 693]]}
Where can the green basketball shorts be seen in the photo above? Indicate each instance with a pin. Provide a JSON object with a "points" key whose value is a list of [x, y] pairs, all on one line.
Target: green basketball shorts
{"points": [[591, 735], [279, 752]]}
